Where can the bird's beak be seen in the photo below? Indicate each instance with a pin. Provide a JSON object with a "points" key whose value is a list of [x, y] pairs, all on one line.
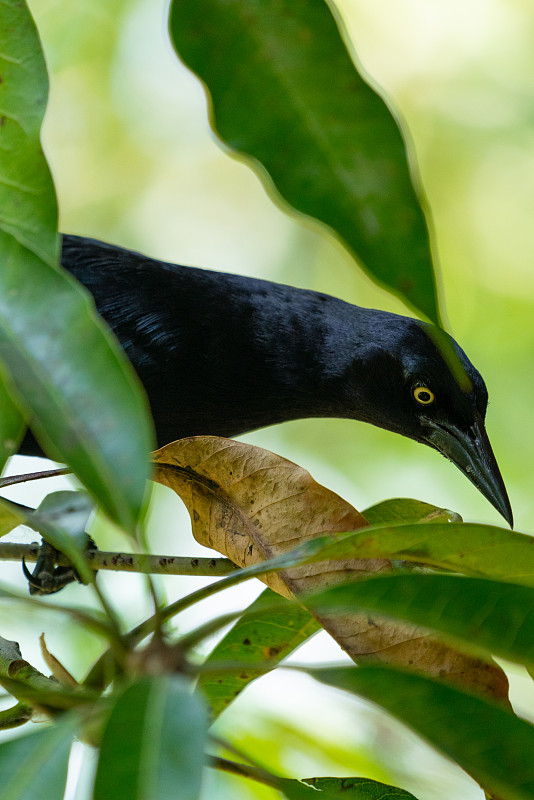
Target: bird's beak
{"points": [[471, 452]]}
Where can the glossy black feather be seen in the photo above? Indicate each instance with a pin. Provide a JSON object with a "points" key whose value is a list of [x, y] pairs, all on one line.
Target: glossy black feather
{"points": [[223, 354]]}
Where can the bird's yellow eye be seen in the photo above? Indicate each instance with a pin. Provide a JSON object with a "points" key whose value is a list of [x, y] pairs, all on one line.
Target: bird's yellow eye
{"points": [[423, 395]]}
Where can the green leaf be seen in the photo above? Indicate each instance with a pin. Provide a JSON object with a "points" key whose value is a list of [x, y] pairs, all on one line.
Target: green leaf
{"points": [[283, 90], [501, 554], [62, 519], [401, 510], [479, 614], [68, 508], [296, 790], [255, 640], [24, 89], [62, 366], [10, 517], [83, 401], [479, 550], [27, 200], [153, 743], [34, 767], [340, 788], [360, 788], [491, 744], [12, 425]]}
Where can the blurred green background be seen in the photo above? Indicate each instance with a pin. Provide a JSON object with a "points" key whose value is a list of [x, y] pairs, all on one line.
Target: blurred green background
{"points": [[134, 163]]}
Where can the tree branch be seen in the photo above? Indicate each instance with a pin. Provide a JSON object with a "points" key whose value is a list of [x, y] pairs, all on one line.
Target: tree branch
{"points": [[128, 562], [34, 476]]}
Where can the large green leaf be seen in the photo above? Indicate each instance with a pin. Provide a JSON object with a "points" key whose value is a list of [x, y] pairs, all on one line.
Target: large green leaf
{"points": [[34, 767], [423, 542], [25, 182], [256, 640], [153, 743], [479, 614], [28, 210], [62, 366], [480, 550], [84, 403], [285, 91], [490, 743]]}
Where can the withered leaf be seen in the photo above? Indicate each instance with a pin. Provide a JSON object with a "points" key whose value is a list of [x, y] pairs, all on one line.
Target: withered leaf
{"points": [[251, 505]]}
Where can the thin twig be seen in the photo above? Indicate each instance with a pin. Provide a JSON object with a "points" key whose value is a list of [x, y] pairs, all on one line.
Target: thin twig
{"points": [[244, 771], [34, 476], [117, 646], [128, 562]]}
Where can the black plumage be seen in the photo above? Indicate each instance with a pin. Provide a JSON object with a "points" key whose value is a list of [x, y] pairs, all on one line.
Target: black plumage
{"points": [[222, 354]]}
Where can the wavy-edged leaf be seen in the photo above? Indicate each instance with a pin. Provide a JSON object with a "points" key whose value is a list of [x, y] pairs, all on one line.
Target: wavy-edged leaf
{"points": [[285, 91], [479, 614], [252, 505], [255, 640], [34, 767], [153, 743], [491, 744], [479, 550]]}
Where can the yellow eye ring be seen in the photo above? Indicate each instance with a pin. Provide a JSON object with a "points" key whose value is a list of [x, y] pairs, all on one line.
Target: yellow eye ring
{"points": [[423, 395]]}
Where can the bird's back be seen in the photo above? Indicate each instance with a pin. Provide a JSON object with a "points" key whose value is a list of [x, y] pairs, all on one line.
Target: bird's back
{"points": [[217, 353]]}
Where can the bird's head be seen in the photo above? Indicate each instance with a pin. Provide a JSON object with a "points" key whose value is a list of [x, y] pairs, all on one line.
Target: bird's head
{"points": [[406, 386]]}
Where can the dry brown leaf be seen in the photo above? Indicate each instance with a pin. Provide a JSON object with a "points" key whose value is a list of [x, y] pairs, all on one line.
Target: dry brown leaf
{"points": [[60, 673], [252, 505]]}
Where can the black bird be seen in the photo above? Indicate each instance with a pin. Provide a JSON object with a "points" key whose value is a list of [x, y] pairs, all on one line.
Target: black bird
{"points": [[222, 354]]}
